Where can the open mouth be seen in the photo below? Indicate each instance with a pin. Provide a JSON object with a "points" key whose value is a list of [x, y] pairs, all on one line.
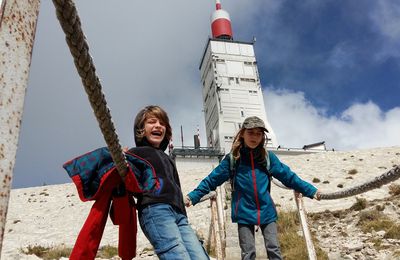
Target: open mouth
{"points": [[156, 133]]}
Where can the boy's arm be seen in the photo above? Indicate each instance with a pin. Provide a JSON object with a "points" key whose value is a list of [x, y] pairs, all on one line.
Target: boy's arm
{"points": [[218, 176], [144, 173], [290, 179]]}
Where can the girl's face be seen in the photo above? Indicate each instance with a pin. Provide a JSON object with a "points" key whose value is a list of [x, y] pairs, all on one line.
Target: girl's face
{"points": [[252, 137], [154, 131]]}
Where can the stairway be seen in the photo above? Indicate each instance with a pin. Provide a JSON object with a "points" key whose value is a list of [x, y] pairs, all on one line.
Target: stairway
{"points": [[232, 250]]}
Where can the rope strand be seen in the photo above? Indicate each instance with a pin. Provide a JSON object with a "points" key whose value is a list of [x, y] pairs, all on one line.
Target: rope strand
{"points": [[76, 40]]}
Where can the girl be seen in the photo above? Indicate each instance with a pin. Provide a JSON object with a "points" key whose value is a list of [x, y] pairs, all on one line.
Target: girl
{"points": [[162, 214], [252, 204]]}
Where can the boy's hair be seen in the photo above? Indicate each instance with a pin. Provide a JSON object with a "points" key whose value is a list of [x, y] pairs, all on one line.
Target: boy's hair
{"points": [[238, 143], [142, 116]]}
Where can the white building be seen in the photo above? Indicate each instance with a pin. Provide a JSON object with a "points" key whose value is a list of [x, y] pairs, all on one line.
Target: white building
{"points": [[231, 85]]}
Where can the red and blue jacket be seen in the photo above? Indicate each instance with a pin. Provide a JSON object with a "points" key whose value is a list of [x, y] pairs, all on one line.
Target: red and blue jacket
{"points": [[96, 178], [251, 201]]}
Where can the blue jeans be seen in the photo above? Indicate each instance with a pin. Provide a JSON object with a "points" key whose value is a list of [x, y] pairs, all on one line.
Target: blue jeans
{"points": [[170, 233]]}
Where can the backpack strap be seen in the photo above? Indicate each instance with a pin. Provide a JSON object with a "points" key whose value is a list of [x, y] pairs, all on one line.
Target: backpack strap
{"points": [[268, 162], [267, 168], [232, 171]]}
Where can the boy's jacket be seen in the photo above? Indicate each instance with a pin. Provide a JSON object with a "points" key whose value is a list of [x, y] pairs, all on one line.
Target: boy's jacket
{"points": [[96, 178]]}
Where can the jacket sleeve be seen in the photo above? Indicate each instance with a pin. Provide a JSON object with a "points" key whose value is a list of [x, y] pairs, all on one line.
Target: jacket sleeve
{"points": [[218, 176], [90, 170], [143, 171], [290, 179]]}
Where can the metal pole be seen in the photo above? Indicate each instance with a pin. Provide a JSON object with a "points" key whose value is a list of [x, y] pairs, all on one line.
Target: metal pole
{"points": [[17, 33], [182, 135]]}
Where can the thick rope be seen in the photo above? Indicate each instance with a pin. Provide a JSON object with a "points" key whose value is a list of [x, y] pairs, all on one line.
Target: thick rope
{"points": [[377, 182], [76, 40]]}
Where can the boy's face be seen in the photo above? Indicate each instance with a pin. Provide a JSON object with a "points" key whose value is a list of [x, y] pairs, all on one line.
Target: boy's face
{"points": [[154, 131], [253, 137]]}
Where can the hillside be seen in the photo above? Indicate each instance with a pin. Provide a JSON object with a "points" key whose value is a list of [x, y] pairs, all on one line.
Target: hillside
{"points": [[53, 215]]}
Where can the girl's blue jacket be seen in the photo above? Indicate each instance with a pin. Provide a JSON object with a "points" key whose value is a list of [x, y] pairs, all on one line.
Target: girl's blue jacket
{"points": [[251, 201]]}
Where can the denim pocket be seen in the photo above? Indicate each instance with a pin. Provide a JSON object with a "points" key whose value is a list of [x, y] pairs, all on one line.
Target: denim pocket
{"points": [[158, 224]]}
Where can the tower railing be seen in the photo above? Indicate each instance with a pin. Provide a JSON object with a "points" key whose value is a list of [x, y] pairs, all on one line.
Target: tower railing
{"points": [[191, 151]]}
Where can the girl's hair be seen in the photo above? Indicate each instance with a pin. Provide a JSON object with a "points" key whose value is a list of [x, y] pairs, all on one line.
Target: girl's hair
{"points": [[143, 115], [238, 143]]}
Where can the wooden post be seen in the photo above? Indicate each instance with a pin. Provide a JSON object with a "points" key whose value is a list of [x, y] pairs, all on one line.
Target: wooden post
{"points": [[304, 226], [221, 219], [217, 235], [17, 33]]}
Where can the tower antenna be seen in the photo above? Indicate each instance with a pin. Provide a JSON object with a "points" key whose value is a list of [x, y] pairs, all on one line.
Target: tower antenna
{"points": [[221, 23]]}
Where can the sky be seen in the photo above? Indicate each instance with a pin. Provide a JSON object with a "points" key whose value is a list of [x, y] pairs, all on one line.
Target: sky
{"points": [[330, 71]]}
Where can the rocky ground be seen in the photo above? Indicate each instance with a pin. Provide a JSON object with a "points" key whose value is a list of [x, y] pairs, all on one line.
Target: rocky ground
{"points": [[53, 215], [339, 233]]}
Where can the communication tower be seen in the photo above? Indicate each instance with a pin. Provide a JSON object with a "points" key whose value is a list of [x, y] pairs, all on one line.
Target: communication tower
{"points": [[231, 84]]}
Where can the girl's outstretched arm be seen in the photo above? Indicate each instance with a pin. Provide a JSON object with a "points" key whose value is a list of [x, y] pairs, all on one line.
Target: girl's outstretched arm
{"points": [[290, 179], [218, 176]]}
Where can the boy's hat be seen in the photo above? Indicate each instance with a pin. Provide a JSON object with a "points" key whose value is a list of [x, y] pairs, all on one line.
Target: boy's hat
{"points": [[254, 122]]}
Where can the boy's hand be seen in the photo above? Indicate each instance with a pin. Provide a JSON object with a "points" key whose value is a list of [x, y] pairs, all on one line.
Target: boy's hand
{"points": [[187, 201]]}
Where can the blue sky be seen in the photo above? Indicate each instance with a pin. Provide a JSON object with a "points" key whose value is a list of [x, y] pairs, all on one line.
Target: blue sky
{"points": [[330, 72], [336, 52]]}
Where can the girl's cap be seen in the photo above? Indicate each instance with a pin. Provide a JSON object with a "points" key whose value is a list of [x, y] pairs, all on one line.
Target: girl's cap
{"points": [[254, 122]]}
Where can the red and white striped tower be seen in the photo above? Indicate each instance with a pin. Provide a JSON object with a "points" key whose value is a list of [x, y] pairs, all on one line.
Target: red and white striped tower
{"points": [[231, 88], [221, 23]]}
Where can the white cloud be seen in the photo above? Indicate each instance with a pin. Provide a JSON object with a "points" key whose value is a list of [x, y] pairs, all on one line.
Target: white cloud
{"points": [[386, 19], [362, 125], [341, 56]]}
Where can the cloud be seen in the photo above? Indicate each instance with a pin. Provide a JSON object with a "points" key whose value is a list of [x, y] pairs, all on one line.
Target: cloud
{"points": [[342, 56], [148, 53], [362, 125], [386, 20], [142, 57]]}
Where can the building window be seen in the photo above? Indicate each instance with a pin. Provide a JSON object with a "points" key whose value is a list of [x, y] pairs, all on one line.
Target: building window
{"points": [[248, 80]]}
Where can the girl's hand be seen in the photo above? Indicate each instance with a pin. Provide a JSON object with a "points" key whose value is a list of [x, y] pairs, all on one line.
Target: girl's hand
{"points": [[187, 201], [317, 195]]}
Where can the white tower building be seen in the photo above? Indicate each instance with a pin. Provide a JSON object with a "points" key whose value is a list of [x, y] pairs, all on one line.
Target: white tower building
{"points": [[231, 84]]}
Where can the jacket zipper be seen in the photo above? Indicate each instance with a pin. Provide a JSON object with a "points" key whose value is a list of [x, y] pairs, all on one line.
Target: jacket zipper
{"points": [[253, 172]]}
